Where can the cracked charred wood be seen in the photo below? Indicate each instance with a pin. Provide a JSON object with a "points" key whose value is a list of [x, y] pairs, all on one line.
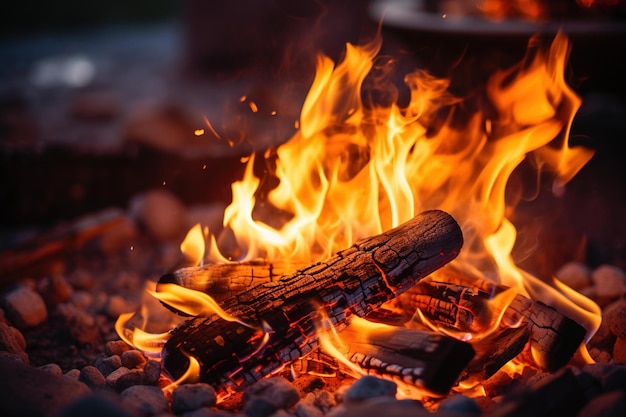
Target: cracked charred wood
{"points": [[282, 316], [427, 360], [462, 304]]}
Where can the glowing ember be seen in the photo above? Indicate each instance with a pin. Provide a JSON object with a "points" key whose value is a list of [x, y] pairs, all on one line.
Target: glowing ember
{"points": [[355, 169]]}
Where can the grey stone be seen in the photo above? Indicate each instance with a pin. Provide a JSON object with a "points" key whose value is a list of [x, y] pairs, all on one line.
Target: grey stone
{"points": [[276, 390], [147, 400], [368, 387], [190, 397]]}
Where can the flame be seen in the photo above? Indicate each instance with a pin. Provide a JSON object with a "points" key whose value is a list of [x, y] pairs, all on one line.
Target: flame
{"points": [[356, 167], [193, 245]]}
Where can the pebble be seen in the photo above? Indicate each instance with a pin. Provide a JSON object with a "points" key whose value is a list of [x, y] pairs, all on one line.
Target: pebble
{"points": [[259, 407], [133, 358], [305, 409], [277, 390], [129, 379], [52, 368], [575, 275], [55, 289], [152, 372], [95, 405], [611, 404], [116, 347], [461, 404], [324, 400], [619, 350], [72, 374], [108, 364], [81, 299], [92, 377], [115, 306], [119, 237], [189, 397], [115, 375], [25, 308], [146, 399], [161, 213], [368, 387], [81, 325], [614, 379], [12, 341], [615, 317], [609, 280]]}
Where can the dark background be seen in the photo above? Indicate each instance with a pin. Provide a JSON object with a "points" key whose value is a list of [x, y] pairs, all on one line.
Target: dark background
{"points": [[198, 57]]}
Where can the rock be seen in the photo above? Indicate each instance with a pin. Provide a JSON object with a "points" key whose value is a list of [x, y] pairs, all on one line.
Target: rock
{"points": [[92, 377], [611, 404], [115, 306], [277, 390], [324, 400], [619, 350], [145, 399], [133, 358], [575, 275], [152, 372], [304, 409], [82, 326], [610, 281], [108, 364], [461, 404], [259, 407], [12, 341], [615, 318], [52, 368], [96, 405], [119, 237], [161, 214], [25, 308], [116, 347], [55, 289], [128, 379], [188, 397], [368, 387], [115, 375], [28, 391]]}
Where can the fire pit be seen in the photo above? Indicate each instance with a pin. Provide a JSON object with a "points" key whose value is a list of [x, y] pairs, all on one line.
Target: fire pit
{"points": [[379, 244]]}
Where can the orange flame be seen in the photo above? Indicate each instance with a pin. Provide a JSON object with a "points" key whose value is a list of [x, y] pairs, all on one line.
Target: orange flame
{"points": [[355, 169]]}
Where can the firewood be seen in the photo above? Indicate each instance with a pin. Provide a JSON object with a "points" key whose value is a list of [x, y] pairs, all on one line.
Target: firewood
{"points": [[222, 281], [429, 361], [460, 301], [282, 315]]}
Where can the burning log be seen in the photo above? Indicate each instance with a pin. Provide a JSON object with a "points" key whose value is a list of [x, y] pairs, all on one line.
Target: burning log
{"points": [[284, 314], [462, 303]]}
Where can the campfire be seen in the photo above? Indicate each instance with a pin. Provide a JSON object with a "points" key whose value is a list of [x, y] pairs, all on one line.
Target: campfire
{"points": [[378, 241], [377, 261]]}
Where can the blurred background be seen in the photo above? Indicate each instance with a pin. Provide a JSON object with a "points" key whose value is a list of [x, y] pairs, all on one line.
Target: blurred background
{"points": [[100, 101]]}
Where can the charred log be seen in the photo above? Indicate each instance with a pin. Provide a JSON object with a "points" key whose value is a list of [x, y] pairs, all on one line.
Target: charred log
{"points": [[461, 304], [283, 314]]}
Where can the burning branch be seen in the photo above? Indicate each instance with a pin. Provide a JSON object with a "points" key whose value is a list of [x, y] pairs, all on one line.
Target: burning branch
{"points": [[284, 313]]}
